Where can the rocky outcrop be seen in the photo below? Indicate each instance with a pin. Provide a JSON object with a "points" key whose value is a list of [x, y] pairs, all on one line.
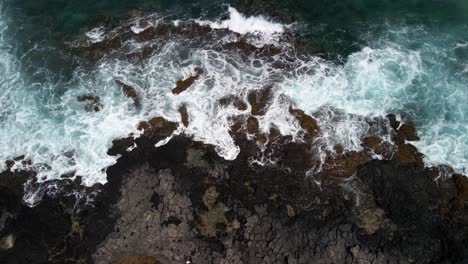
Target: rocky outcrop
{"points": [[181, 202], [183, 85], [199, 208]]}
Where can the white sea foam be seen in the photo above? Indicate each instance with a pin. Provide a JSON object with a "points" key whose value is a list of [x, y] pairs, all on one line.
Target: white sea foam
{"points": [[96, 34], [243, 25], [138, 25]]}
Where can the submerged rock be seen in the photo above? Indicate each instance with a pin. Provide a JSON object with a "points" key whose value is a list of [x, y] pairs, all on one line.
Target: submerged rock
{"points": [[184, 115], [91, 103], [233, 100], [131, 93]]}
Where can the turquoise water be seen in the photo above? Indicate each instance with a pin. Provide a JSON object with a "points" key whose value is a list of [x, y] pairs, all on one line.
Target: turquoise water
{"points": [[404, 57]]}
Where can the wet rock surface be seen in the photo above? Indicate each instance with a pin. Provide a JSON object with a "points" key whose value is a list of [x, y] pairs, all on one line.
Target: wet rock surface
{"points": [[91, 103], [182, 203], [131, 93], [183, 85]]}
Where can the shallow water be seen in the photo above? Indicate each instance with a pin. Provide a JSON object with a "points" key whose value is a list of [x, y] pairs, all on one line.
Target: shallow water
{"points": [[408, 58]]}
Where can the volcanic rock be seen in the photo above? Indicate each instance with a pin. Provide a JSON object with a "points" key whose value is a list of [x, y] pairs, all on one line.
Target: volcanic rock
{"points": [[183, 85]]}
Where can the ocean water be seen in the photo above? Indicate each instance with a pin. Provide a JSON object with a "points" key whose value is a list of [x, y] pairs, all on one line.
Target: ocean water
{"points": [[406, 57]]}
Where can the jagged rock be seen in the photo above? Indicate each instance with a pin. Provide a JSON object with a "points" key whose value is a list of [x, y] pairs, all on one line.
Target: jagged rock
{"points": [[120, 146], [184, 115], [307, 122], [130, 92], [259, 100], [406, 132], [157, 128], [181, 202], [183, 85], [393, 122], [379, 147]]}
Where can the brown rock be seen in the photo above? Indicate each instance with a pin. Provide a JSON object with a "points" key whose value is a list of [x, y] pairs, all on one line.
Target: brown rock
{"points": [[393, 122], [253, 126], [19, 158], [254, 129], [130, 92], [339, 149], [259, 100], [408, 154], [137, 260], [157, 128], [372, 142], [183, 85], [379, 147], [307, 122], [345, 165], [406, 132], [184, 114]]}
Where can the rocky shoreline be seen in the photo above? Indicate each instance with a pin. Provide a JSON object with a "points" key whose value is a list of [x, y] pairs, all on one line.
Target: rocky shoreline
{"points": [[277, 202], [182, 203]]}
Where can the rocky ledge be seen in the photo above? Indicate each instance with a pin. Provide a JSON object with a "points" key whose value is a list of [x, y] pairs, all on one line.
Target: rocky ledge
{"points": [[182, 203]]}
